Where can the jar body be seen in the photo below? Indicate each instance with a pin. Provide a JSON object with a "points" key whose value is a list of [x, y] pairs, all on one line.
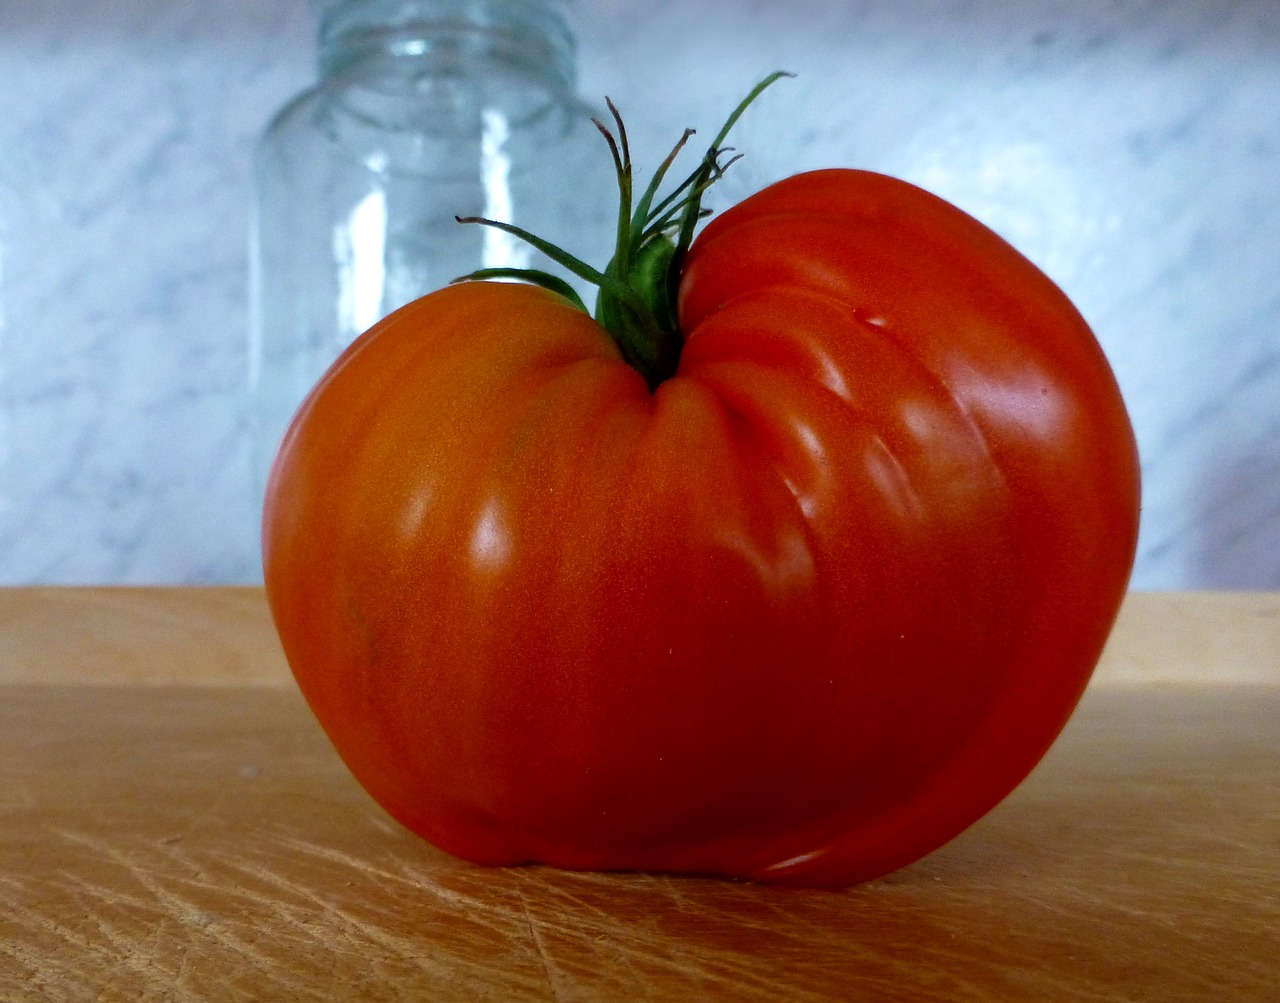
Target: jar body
{"points": [[358, 183]]}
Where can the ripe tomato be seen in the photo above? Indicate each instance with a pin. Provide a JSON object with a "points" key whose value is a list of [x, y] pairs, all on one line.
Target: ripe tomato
{"points": [[802, 612]]}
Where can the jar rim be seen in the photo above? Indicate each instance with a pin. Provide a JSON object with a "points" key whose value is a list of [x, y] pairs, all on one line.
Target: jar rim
{"points": [[533, 35]]}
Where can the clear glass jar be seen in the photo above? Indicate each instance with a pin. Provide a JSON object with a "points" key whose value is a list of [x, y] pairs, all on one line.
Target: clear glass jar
{"points": [[424, 110]]}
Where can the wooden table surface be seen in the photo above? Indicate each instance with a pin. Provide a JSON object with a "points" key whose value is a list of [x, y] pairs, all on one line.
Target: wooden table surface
{"points": [[174, 826]]}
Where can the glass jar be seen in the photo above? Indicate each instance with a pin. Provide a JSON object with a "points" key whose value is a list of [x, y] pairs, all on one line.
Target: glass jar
{"points": [[424, 110]]}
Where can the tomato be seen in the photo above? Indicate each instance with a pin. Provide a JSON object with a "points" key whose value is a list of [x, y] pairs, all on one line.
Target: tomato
{"points": [[802, 611]]}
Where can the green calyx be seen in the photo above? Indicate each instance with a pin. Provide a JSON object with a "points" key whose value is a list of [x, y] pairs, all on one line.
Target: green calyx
{"points": [[637, 299]]}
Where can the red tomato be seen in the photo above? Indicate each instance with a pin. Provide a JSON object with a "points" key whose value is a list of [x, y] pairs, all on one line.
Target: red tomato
{"points": [[802, 613]]}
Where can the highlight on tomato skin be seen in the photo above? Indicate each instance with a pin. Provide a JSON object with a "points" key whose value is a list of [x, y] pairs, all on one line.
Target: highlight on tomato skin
{"points": [[788, 564]]}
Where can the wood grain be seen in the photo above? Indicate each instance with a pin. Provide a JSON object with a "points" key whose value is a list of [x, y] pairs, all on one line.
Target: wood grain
{"points": [[188, 841], [221, 636], [131, 636]]}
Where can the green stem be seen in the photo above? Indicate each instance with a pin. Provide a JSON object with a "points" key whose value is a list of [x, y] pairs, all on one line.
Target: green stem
{"points": [[638, 288]]}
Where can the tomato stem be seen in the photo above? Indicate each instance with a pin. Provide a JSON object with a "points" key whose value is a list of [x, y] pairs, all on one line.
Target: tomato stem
{"points": [[638, 288]]}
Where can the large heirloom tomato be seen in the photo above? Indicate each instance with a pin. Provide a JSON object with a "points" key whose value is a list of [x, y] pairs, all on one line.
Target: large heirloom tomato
{"points": [[800, 607]]}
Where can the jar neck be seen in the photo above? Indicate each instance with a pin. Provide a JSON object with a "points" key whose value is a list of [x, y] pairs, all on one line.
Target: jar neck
{"points": [[529, 36]]}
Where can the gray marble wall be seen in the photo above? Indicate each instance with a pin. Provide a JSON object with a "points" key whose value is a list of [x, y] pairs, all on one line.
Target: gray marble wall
{"points": [[1129, 147]]}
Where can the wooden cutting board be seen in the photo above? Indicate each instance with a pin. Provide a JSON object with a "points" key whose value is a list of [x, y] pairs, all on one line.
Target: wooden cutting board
{"points": [[174, 826]]}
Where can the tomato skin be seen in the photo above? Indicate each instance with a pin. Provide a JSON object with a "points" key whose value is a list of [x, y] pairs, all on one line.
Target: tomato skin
{"points": [[802, 614]]}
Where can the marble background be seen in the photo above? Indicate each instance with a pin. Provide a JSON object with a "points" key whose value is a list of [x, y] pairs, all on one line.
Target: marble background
{"points": [[1129, 147]]}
